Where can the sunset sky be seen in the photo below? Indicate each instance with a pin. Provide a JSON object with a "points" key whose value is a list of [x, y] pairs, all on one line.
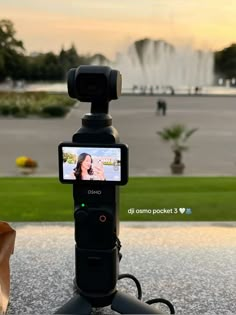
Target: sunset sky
{"points": [[109, 26]]}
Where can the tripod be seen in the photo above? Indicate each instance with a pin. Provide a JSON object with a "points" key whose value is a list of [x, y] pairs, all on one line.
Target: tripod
{"points": [[96, 207]]}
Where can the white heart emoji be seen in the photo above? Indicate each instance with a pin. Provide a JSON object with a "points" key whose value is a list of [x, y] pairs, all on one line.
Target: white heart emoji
{"points": [[181, 210]]}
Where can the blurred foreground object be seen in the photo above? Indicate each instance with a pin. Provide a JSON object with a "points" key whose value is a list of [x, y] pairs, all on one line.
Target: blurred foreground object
{"points": [[26, 165], [7, 242]]}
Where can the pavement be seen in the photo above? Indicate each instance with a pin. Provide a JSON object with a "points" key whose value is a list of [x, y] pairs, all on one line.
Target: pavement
{"points": [[212, 148], [190, 264]]}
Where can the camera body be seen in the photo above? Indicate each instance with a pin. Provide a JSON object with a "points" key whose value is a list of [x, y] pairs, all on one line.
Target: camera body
{"points": [[96, 217], [96, 196]]}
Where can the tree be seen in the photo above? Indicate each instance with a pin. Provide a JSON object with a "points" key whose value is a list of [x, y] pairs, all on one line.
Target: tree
{"points": [[72, 56], [68, 59], [225, 62], [7, 37], [44, 67], [52, 68], [99, 59], [177, 135], [11, 52]]}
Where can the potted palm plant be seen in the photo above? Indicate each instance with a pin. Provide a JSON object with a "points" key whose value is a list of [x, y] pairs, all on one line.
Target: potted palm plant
{"points": [[177, 135]]}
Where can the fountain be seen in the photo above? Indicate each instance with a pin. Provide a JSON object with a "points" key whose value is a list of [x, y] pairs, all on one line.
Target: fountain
{"points": [[157, 64]]}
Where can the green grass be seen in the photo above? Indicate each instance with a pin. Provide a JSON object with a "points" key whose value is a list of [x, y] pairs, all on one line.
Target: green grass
{"points": [[45, 199]]}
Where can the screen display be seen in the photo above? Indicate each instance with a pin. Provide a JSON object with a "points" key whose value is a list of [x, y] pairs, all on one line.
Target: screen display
{"points": [[91, 163]]}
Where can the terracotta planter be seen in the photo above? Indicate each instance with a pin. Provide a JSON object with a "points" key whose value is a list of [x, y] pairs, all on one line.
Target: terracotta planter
{"points": [[177, 169], [26, 170]]}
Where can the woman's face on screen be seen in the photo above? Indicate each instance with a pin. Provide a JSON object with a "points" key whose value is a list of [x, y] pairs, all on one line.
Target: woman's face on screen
{"points": [[86, 164]]}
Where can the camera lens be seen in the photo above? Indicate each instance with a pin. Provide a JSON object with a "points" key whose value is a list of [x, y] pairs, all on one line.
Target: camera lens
{"points": [[91, 86]]}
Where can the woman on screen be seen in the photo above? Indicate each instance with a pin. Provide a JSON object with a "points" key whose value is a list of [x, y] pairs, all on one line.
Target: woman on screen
{"points": [[84, 169]]}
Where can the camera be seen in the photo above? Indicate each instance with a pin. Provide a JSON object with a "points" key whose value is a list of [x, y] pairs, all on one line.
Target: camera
{"points": [[96, 163], [93, 163], [94, 84]]}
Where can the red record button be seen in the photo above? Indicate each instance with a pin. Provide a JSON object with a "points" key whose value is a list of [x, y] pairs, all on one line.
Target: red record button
{"points": [[102, 218]]}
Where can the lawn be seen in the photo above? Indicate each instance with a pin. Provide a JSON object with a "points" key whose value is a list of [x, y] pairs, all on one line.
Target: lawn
{"points": [[45, 199]]}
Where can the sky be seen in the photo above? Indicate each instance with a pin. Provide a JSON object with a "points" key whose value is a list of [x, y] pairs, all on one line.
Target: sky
{"points": [[109, 26]]}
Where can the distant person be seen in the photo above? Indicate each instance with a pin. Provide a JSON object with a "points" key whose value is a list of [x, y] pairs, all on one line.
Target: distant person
{"points": [[141, 89], [161, 107], [197, 90], [158, 108], [85, 170], [134, 89], [172, 91], [164, 108]]}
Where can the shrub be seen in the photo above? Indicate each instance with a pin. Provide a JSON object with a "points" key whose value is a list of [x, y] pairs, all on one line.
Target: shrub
{"points": [[54, 111], [34, 103], [5, 110], [24, 161], [15, 110]]}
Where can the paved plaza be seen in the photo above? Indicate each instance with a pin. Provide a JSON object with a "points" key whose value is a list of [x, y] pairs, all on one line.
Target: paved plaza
{"points": [[212, 147], [190, 264]]}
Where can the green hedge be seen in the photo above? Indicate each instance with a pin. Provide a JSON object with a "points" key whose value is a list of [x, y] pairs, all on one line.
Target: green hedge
{"points": [[54, 111], [34, 103]]}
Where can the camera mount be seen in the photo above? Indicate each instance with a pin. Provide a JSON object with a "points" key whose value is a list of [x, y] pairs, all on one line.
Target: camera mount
{"points": [[96, 206]]}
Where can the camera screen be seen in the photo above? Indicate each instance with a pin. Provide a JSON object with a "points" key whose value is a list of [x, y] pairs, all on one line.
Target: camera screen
{"points": [[92, 163]]}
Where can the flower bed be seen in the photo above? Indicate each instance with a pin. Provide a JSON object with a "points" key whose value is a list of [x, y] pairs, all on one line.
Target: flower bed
{"points": [[26, 165], [34, 104]]}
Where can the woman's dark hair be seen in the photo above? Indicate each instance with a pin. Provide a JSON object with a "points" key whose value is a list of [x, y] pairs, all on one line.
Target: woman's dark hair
{"points": [[77, 169]]}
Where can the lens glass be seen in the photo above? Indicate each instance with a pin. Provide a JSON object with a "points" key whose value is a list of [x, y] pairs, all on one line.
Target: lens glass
{"points": [[91, 85]]}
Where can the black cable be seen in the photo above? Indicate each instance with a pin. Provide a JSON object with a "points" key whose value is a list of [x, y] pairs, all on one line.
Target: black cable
{"points": [[138, 285], [166, 302], [118, 244]]}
